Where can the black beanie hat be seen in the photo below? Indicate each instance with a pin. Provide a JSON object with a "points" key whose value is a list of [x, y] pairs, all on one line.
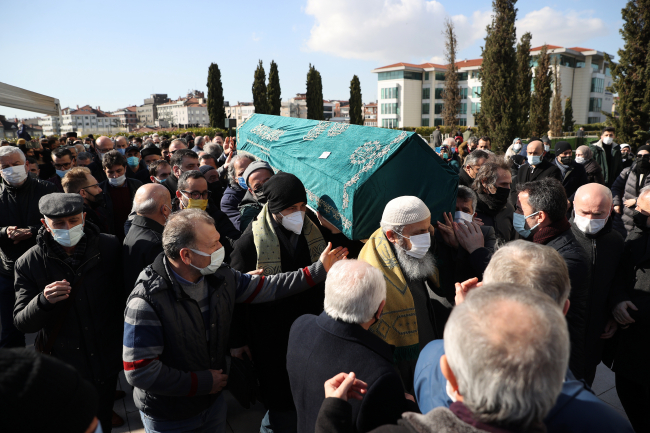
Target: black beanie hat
{"points": [[41, 393], [562, 146], [282, 191], [644, 147]]}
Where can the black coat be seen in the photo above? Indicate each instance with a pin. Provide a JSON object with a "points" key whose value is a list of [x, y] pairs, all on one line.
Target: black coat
{"points": [[594, 172], [141, 246], [574, 177], [604, 252], [464, 178], [499, 219], [133, 186], [528, 173], [171, 184], [265, 327], [578, 263], [19, 207], [624, 188], [320, 348], [90, 339]]}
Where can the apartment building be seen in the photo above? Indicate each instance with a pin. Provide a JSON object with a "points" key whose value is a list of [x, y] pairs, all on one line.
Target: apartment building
{"points": [[128, 117], [241, 111], [370, 114], [82, 120], [411, 95], [189, 111]]}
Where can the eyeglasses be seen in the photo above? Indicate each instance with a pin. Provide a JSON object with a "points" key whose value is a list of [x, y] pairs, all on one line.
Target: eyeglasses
{"points": [[90, 186], [197, 195], [63, 166]]}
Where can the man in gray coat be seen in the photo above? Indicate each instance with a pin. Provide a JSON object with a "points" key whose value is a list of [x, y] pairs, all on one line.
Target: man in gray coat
{"points": [[436, 137]]}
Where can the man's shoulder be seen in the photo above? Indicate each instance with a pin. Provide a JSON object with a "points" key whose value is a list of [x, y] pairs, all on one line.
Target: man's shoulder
{"points": [[44, 186], [29, 258]]}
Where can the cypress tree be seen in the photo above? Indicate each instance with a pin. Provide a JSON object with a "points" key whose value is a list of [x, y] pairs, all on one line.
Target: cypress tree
{"points": [[356, 106], [259, 90], [314, 95], [273, 90], [541, 99], [498, 115], [556, 110], [451, 93], [568, 115], [631, 76], [524, 80], [215, 97]]}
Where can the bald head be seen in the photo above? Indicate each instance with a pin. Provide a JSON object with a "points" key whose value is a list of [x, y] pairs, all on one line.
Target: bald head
{"points": [[104, 144], [593, 201], [121, 142], [535, 148], [153, 201], [176, 145]]}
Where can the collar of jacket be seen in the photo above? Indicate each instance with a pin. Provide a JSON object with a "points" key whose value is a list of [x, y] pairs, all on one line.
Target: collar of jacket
{"points": [[159, 266], [147, 223], [25, 185], [355, 333]]}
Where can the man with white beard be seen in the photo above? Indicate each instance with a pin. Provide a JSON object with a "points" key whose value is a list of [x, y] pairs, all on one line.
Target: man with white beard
{"points": [[400, 249]]}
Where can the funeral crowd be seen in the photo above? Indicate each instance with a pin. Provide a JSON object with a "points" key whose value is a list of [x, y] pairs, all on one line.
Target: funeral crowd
{"points": [[195, 268]]}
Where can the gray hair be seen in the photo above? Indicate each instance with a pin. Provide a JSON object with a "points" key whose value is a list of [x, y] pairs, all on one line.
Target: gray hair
{"points": [[80, 148], [466, 193], [180, 231], [198, 140], [472, 140], [353, 291], [489, 172], [586, 152], [531, 265], [84, 156], [387, 226], [213, 149], [148, 142], [475, 156], [10, 150], [642, 193], [508, 375], [231, 167], [146, 207]]}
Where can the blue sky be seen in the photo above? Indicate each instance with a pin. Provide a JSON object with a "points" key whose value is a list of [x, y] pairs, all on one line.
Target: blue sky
{"points": [[114, 54]]}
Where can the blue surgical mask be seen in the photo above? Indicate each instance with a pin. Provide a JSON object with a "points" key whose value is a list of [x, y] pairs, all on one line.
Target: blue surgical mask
{"points": [[445, 156], [122, 151], [133, 161], [68, 238], [534, 159], [242, 182], [62, 173], [519, 223], [160, 180]]}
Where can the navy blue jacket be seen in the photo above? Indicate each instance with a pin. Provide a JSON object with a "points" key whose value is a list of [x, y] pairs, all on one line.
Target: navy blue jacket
{"points": [[230, 203], [320, 348], [577, 409]]}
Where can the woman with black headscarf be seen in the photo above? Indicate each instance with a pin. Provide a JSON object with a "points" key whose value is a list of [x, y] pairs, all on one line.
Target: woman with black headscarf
{"points": [[626, 190]]}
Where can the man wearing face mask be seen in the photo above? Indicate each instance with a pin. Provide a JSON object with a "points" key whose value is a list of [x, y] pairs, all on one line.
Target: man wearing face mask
{"points": [[574, 175], [537, 168], [548, 155], [607, 154], [63, 161], [66, 290], [103, 145], [592, 227], [19, 224], [402, 249], [627, 157], [626, 189], [79, 181], [136, 167], [236, 190], [121, 144], [283, 238], [181, 160], [255, 176], [492, 185], [178, 321], [540, 217], [153, 206], [118, 191]]}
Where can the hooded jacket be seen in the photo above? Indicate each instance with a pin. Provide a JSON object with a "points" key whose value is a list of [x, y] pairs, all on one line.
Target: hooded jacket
{"points": [[609, 173]]}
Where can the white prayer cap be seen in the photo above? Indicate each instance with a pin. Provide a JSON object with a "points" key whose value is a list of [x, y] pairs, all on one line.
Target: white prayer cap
{"points": [[405, 210], [625, 145]]}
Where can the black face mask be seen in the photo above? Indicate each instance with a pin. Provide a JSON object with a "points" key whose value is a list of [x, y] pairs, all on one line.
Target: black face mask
{"points": [[643, 161], [566, 160], [97, 201], [640, 220], [501, 196], [259, 195]]}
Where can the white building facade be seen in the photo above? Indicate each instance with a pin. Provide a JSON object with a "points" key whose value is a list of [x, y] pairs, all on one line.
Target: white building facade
{"points": [[192, 111]]}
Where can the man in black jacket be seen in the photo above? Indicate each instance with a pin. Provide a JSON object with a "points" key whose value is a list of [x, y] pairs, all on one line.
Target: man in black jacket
{"points": [[536, 169], [592, 228], [355, 295], [20, 220], [181, 160], [152, 205], [80, 181], [66, 288], [492, 185], [574, 175], [540, 217], [471, 166]]}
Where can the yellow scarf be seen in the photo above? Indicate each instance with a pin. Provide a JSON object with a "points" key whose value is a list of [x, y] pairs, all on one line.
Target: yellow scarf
{"points": [[267, 243]]}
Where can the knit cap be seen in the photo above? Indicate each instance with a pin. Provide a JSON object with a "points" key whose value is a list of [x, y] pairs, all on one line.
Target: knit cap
{"points": [[405, 210]]}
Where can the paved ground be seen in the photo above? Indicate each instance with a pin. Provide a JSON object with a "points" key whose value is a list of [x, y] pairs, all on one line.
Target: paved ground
{"points": [[241, 420]]}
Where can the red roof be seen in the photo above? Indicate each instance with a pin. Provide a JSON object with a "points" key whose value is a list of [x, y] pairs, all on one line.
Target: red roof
{"points": [[462, 64], [549, 47], [81, 113], [580, 50]]}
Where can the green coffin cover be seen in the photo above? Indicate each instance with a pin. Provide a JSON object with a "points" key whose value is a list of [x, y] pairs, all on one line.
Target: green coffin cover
{"points": [[350, 172]]}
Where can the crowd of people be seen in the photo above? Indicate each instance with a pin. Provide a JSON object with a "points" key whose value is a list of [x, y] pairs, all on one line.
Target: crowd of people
{"points": [[195, 268]]}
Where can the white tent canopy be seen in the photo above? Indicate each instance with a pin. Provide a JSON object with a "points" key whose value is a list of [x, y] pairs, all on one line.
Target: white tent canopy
{"points": [[15, 97]]}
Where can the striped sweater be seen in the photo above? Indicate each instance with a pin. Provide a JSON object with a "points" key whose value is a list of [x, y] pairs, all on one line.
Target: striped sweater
{"points": [[143, 341]]}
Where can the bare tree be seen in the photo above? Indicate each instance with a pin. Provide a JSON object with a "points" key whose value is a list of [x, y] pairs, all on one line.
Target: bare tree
{"points": [[451, 94]]}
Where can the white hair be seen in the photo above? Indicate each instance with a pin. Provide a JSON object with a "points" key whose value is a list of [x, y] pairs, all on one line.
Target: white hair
{"points": [[508, 347], [353, 291], [10, 150]]}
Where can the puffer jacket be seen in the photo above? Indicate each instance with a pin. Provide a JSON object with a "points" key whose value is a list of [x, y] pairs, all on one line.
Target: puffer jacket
{"points": [[91, 334], [624, 188]]}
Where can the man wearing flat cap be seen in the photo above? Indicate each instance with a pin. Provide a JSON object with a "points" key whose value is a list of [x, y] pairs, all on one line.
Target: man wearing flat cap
{"points": [[574, 175], [69, 290], [283, 238], [401, 250]]}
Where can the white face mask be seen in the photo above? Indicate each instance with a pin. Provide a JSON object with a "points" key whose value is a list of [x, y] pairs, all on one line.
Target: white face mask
{"points": [[589, 226], [547, 148], [118, 181], [459, 217], [14, 175], [608, 140], [68, 238], [534, 159], [294, 221], [580, 160], [516, 147], [216, 259], [420, 244]]}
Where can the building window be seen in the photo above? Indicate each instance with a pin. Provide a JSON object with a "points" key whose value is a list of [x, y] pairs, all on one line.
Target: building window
{"points": [[595, 104], [462, 76], [389, 109], [425, 121], [608, 72], [425, 108], [388, 93], [595, 67], [476, 92], [462, 108], [438, 108], [593, 119], [389, 123], [440, 76], [597, 85], [462, 121], [393, 75], [476, 107], [426, 93], [426, 76], [475, 74], [437, 122], [463, 92], [438, 92]]}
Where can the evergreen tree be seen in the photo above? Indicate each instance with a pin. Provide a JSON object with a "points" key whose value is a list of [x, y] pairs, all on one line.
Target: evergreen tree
{"points": [[524, 80], [568, 115], [273, 90], [451, 93], [498, 115], [215, 97], [541, 99], [356, 106], [259, 90], [556, 110], [631, 76], [314, 95]]}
